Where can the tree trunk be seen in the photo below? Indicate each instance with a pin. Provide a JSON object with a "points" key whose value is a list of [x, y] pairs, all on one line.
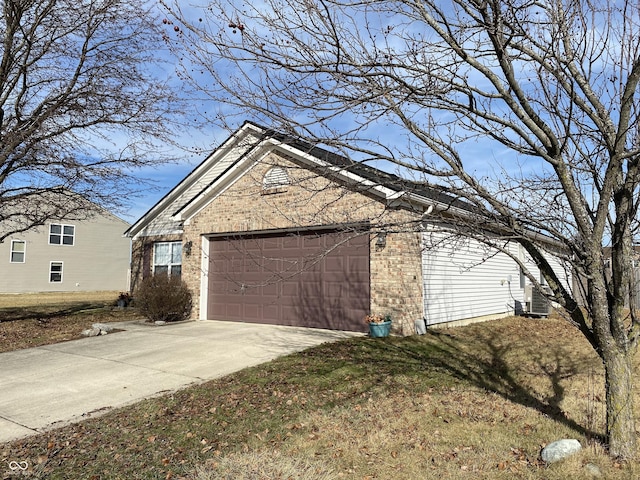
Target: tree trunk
{"points": [[621, 431]]}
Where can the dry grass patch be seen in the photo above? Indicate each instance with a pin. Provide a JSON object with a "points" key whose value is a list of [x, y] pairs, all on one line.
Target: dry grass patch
{"points": [[22, 300], [475, 402], [31, 320], [272, 465]]}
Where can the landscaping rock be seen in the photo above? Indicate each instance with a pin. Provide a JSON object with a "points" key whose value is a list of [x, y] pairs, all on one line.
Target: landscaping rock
{"points": [[91, 332], [103, 327], [593, 470], [560, 450], [97, 329]]}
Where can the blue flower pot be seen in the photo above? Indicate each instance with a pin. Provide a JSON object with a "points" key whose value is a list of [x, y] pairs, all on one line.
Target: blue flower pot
{"points": [[377, 330]]}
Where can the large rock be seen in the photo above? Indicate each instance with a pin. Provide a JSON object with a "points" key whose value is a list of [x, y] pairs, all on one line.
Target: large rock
{"points": [[103, 327], [91, 332], [560, 450], [97, 329]]}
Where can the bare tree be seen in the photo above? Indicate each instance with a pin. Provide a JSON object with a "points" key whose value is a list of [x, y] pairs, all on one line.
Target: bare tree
{"points": [[80, 106], [550, 89]]}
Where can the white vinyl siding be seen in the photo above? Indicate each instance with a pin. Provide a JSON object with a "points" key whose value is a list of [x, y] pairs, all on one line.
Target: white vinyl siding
{"points": [[18, 251], [563, 272], [163, 223], [464, 279]]}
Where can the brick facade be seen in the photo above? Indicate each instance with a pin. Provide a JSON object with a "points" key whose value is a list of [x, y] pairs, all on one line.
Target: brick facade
{"points": [[396, 280], [311, 200]]}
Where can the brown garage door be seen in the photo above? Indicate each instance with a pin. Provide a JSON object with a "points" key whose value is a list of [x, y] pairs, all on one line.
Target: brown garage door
{"points": [[311, 279]]}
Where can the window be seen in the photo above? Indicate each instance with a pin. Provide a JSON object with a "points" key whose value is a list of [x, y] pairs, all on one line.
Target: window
{"points": [[275, 178], [167, 258], [61, 234], [55, 272], [18, 250]]}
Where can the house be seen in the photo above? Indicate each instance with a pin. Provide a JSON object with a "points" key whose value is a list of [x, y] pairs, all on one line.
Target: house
{"points": [[271, 229], [63, 255]]}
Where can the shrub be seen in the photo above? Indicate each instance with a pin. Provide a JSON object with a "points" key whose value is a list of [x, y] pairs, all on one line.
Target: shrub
{"points": [[164, 298]]}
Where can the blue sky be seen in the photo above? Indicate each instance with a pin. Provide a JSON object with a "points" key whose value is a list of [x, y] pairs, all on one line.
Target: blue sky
{"points": [[166, 176], [483, 157]]}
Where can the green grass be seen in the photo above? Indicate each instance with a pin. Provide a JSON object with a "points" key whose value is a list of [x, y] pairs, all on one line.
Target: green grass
{"points": [[474, 402]]}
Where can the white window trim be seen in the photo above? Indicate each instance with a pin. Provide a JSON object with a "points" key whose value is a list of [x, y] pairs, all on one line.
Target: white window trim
{"points": [[24, 252], [61, 270], [170, 264], [62, 235]]}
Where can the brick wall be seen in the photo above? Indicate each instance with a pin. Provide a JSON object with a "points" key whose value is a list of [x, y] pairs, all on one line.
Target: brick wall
{"points": [[396, 279], [311, 200]]}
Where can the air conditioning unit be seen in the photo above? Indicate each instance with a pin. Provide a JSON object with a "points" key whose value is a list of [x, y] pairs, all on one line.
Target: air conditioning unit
{"points": [[536, 301]]}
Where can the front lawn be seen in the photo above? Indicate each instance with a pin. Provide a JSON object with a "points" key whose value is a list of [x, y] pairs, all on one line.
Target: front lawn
{"points": [[475, 402], [32, 320]]}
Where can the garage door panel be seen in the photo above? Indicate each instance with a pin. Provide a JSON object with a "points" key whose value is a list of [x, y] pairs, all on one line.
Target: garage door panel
{"points": [[289, 242], [334, 264], [357, 290], [252, 312], [272, 265], [271, 311], [233, 310], [253, 266], [335, 290], [357, 263], [270, 289], [289, 289], [271, 244], [302, 280]]}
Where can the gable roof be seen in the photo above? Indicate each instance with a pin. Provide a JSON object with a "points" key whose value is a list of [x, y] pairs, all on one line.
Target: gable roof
{"points": [[252, 142]]}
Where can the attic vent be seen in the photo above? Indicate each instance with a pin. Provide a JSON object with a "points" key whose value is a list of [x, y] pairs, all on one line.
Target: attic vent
{"points": [[275, 178]]}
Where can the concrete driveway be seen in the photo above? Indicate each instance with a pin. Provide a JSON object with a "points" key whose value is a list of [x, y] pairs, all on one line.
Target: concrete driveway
{"points": [[47, 387]]}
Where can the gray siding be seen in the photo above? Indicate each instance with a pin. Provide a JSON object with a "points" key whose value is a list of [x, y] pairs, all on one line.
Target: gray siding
{"points": [[98, 260]]}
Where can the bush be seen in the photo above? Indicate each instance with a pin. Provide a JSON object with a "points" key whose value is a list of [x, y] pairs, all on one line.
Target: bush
{"points": [[164, 298]]}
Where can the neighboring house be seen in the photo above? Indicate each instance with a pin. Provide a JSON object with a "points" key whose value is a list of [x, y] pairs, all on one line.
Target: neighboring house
{"points": [[271, 229], [67, 256], [580, 284]]}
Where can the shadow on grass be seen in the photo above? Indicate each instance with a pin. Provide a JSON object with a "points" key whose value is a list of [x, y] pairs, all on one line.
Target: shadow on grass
{"points": [[440, 359], [46, 312]]}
